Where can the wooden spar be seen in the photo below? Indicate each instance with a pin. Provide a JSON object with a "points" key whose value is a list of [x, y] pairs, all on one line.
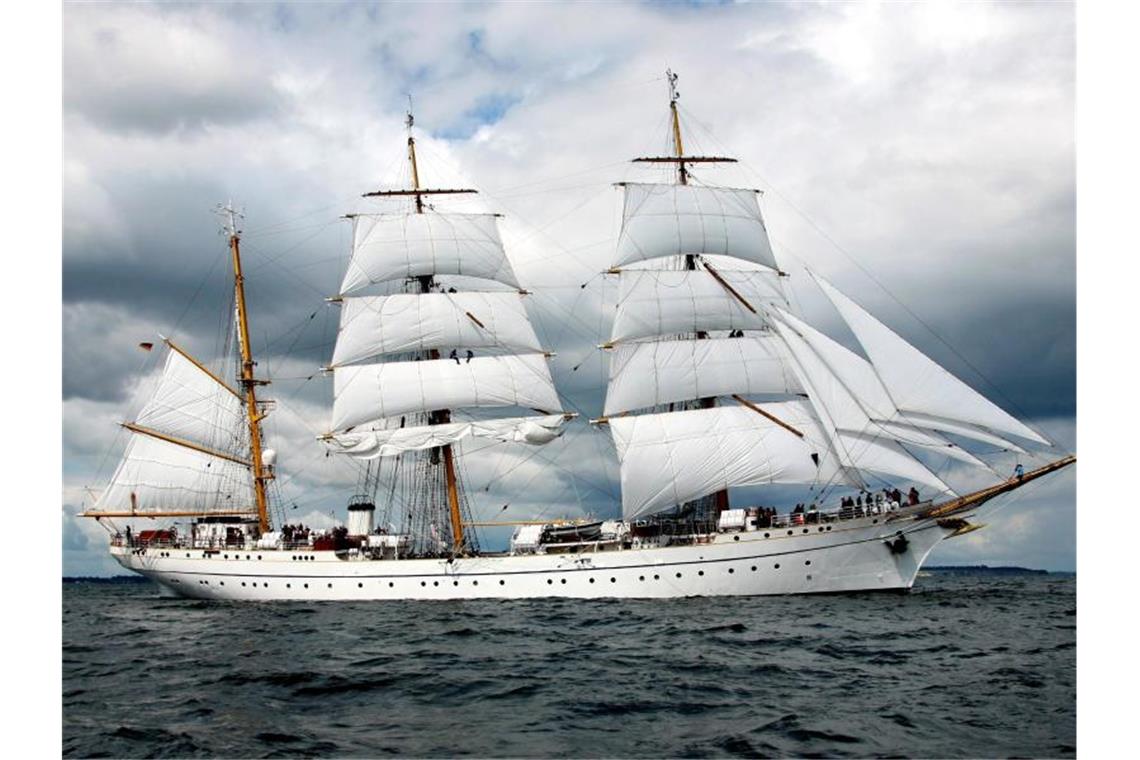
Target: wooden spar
{"points": [[199, 513], [183, 442], [199, 365], [248, 381], [475, 319], [724, 284], [458, 542], [762, 413], [678, 148], [983, 495], [686, 159]]}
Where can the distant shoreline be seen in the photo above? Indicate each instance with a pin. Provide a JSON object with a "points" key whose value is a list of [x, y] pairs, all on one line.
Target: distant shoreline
{"points": [[945, 569]]}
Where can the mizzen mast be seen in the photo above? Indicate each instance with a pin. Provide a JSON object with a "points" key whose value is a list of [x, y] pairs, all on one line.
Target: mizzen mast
{"points": [[249, 383]]}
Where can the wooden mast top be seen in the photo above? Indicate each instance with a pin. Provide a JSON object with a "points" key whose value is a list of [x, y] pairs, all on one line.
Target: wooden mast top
{"points": [[248, 381], [679, 156], [416, 191]]}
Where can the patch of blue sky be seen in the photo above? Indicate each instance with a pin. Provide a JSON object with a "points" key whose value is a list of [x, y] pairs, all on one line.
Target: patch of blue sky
{"points": [[488, 109]]}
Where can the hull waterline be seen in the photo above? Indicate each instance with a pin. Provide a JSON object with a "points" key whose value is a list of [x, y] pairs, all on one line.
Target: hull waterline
{"points": [[794, 560]]}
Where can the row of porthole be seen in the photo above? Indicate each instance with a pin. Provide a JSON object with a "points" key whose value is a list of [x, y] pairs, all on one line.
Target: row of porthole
{"points": [[821, 529], [549, 581]]}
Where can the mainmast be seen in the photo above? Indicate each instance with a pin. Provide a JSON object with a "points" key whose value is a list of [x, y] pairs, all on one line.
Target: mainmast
{"points": [[426, 282], [248, 382], [720, 498]]}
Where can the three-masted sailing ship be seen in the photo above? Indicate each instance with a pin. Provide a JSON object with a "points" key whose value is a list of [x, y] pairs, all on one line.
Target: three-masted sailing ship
{"points": [[715, 384]]}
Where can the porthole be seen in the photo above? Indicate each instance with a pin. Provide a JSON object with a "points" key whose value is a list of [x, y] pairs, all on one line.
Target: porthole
{"points": [[222, 583], [474, 583], [790, 532], [656, 577], [435, 583], [678, 575], [266, 585], [187, 555], [360, 585], [549, 581], [805, 530], [423, 583], [259, 557], [613, 580], [502, 583], [330, 585], [875, 521], [767, 535], [243, 584], [224, 556], [563, 581], [777, 565], [829, 527], [391, 585], [807, 561], [700, 572], [821, 529], [730, 571], [247, 556], [591, 580], [754, 568], [288, 585], [455, 583], [641, 577], [306, 585], [736, 538]]}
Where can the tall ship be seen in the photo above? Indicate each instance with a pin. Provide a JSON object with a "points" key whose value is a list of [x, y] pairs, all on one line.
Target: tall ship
{"points": [[716, 389]]}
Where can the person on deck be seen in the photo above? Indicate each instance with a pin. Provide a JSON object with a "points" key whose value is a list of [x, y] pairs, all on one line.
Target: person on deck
{"points": [[454, 355], [1019, 471], [912, 496]]}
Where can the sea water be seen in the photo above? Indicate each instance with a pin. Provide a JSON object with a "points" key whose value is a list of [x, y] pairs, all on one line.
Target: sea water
{"points": [[965, 665]]}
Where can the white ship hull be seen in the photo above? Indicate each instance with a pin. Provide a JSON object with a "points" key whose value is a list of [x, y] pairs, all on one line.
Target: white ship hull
{"points": [[828, 558]]}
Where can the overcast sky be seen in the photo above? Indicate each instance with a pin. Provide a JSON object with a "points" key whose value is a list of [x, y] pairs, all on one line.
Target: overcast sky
{"points": [[927, 148]]}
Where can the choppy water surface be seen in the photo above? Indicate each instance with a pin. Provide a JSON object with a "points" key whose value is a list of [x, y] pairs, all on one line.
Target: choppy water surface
{"points": [[963, 666]]}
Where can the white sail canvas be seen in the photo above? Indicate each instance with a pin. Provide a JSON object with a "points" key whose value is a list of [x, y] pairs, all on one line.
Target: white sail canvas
{"points": [[667, 220], [372, 326], [398, 246]]}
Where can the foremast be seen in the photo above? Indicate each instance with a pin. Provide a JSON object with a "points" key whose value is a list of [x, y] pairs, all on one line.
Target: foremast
{"points": [[249, 382]]}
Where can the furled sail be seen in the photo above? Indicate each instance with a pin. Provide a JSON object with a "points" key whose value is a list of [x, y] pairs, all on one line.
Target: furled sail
{"points": [[393, 440], [667, 220], [397, 246], [676, 457], [654, 303], [367, 392], [646, 374], [915, 382], [376, 325], [188, 451]]}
